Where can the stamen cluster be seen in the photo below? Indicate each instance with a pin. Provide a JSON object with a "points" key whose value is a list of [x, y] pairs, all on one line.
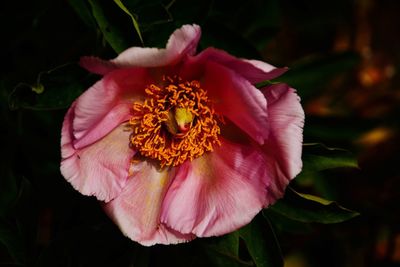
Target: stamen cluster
{"points": [[156, 129]]}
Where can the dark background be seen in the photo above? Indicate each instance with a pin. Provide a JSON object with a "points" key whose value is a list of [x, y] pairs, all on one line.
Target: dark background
{"points": [[344, 62]]}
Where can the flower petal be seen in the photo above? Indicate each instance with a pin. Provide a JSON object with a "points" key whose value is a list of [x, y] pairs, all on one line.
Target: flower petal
{"points": [[238, 100], [97, 65], [284, 145], [137, 209], [181, 43], [254, 71], [67, 148], [100, 169], [107, 104], [218, 192]]}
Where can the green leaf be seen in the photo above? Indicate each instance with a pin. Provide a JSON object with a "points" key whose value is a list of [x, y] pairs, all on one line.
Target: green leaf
{"points": [[156, 22], [112, 33], [54, 89], [311, 209], [134, 21], [224, 251], [284, 224], [83, 11], [318, 163], [318, 157], [227, 244], [264, 83], [261, 242]]}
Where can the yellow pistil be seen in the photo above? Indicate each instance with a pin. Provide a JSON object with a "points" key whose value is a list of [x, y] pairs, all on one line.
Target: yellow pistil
{"points": [[184, 119], [175, 123]]}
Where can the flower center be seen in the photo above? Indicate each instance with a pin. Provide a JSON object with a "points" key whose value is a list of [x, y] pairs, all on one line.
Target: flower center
{"points": [[176, 122]]}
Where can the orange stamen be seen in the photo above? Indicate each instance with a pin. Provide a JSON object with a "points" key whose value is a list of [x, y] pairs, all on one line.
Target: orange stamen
{"points": [[156, 133]]}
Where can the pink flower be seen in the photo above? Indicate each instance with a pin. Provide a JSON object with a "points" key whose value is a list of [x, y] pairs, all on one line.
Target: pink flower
{"points": [[178, 145]]}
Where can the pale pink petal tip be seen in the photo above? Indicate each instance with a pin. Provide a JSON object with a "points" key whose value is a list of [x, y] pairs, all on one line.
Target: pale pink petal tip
{"points": [[254, 71], [96, 65], [270, 71], [184, 40], [181, 43]]}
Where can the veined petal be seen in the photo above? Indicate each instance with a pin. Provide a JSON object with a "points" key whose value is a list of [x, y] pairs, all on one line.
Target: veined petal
{"points": [[181, 43], [238, 100], [284, 145], [254, 71], [107, 104], [100, 169], [218, 192], [137, 209]]}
